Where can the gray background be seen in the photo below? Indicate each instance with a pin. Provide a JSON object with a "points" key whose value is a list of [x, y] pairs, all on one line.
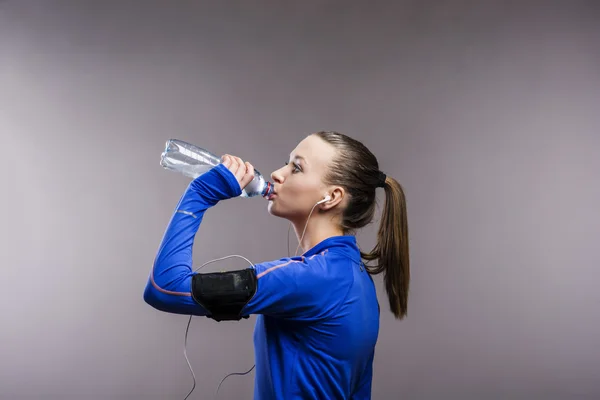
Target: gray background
{"points": [[487, 112]]}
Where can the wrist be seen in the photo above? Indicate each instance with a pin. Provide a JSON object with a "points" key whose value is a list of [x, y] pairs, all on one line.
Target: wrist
{"points": [[218, 184]]}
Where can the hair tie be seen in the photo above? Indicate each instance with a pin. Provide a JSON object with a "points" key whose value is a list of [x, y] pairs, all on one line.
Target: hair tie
{"points": [[381, 179]]}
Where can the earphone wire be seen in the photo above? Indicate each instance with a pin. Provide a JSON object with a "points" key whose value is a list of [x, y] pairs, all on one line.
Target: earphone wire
{"points": [[190, 319], [188, 327], [233, 373], [305, 226]]}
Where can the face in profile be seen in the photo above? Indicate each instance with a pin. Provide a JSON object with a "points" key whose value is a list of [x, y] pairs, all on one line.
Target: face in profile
{"points": [[299, 184]]}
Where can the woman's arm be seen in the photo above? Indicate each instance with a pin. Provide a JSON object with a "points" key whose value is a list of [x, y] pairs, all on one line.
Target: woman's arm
{"points": [[302, 288], [169, 285]]}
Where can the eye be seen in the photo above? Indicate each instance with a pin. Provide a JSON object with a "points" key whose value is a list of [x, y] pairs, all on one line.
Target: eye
{"points": [[296, 168]]}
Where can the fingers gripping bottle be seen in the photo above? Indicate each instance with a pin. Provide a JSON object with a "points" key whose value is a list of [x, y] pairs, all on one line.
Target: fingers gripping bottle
{"points": [[193, 161]]}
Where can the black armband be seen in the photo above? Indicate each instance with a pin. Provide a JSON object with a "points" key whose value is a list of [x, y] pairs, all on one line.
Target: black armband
{"points": [[224, 294]]}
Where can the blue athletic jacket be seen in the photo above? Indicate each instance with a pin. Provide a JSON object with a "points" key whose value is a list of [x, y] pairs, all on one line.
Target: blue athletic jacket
{"points": [[318, 315]]}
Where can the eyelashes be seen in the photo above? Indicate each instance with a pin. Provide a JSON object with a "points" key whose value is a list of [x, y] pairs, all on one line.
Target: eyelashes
{"points": [[296, 167]]}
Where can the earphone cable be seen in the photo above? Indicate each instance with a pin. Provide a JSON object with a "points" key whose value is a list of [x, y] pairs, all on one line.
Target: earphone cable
{"points": [[190, 319]]}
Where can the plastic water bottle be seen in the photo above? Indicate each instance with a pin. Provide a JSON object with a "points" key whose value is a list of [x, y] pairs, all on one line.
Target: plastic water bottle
{"points": [[193, 161]]}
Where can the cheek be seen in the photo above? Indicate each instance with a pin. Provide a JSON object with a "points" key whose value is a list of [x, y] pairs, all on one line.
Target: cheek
{"points": [[288, 204], [301, 197], [297, 196]]}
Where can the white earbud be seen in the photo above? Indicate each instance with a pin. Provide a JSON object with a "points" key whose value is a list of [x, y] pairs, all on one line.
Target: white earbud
{"points": [[327, 198]]}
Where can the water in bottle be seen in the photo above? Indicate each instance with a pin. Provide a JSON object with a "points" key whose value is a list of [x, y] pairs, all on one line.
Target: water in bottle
{"points": [[193, 161]]}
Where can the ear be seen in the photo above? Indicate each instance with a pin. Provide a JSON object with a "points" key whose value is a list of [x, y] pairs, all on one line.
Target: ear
{"points": [[337, 195]]}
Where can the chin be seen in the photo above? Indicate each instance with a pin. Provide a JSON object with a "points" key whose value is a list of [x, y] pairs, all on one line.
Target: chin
{"points": [[276, 210], [272, 209]]}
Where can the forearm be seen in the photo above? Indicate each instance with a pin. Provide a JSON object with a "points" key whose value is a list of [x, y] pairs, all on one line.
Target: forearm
{"points": [[169, 284]]}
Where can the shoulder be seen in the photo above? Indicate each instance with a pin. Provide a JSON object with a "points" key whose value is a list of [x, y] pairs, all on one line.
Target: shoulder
{"points": [[306, 288], [325, 277], [322, 266]]}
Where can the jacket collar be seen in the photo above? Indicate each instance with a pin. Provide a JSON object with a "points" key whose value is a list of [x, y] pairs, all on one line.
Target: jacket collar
{"points": [[345, 244]]}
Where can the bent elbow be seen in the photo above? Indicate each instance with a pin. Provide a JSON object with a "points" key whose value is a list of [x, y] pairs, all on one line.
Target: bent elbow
{"points": [[151, 296], [170, 300], [161, 302]]}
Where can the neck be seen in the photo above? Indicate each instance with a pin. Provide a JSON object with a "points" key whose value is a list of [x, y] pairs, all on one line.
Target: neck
{"points": [[317, 230]]}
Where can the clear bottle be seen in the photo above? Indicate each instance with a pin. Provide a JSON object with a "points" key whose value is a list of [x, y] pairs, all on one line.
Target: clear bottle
{"points": [[193, 161]]}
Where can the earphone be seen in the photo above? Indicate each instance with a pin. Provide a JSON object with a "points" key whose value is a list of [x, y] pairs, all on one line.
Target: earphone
{"points": [[327, 197]]}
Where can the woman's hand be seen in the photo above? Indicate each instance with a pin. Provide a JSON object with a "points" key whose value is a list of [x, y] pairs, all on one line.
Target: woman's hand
{"points": [[243, 171]]}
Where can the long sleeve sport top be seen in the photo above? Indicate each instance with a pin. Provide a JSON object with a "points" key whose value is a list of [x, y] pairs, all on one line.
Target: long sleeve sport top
{"points": [[317, 314]]}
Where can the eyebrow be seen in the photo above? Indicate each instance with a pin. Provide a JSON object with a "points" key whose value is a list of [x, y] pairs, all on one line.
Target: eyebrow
{"points": [[299, 157]]}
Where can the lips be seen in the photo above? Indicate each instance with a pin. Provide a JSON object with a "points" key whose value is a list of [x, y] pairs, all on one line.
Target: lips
{"points": [[272, 195]]}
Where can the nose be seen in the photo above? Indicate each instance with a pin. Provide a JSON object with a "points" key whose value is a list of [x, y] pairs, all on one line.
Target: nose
{"points": [[277, 176]]}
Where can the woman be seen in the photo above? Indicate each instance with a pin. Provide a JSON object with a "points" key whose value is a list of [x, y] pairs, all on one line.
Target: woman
{"points": [[318, 315]]}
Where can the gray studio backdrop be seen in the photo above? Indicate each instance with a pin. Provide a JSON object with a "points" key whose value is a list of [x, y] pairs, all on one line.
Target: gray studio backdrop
{"points": [[487, 113]]}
